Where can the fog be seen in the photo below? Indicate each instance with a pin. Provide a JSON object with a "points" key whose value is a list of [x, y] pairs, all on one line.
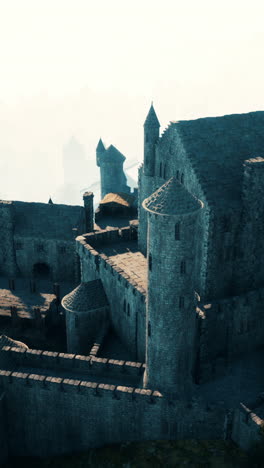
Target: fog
{"points": [[78, 70]]}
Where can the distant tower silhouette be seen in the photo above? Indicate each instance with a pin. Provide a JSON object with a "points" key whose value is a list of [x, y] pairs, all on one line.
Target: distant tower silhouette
{"points": [[111, 162], [74, 162], [173, 214]]}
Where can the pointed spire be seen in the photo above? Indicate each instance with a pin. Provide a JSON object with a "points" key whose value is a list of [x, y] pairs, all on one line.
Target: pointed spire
{"points": [[172, 198], [50, 201], [152, 119], [100, 147]]}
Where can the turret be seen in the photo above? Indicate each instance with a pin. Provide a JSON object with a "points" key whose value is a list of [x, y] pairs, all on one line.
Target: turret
{"points": [[151, 136], [87, 315], [100, 149], [173, 215], [111, 162], [89, 211]]}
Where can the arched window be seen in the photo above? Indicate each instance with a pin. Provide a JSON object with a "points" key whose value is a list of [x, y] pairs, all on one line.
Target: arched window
{"points": [[182, 178], [124, 305], [183, 267], [178, 175], [150, 262], [160, 172], [177, 231]]}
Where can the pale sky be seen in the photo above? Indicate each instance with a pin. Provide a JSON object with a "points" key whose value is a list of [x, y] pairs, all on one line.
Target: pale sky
{"points": [[91, 69]]}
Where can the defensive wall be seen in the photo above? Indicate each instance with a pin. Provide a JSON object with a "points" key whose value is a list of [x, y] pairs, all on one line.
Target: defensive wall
{"points": [[3, 431], [248, 422], [41, 233], [126, 297], [228, 329], [96, 413]]}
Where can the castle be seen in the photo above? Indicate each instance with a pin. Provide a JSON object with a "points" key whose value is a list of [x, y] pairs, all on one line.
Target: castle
{"points": [[165, 330]]}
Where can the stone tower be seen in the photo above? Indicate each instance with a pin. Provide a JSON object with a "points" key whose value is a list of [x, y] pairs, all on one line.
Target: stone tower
{"points": [[151, 137], [173, 215], [147, 173], [111, 162], [89, 211], [86, 312], [100, 149]]}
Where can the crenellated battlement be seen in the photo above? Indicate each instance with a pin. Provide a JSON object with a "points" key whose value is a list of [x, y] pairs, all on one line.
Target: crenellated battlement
{"points": [[34, 358]]}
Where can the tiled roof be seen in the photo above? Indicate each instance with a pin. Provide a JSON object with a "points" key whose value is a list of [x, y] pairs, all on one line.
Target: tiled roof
{"points": [[87, 296], [121, 198], [152, 119], [172, 199], [217, 148], [6, 341]]}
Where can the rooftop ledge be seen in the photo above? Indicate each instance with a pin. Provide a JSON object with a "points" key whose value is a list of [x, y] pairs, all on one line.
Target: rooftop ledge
{"points": [[116, 249]]}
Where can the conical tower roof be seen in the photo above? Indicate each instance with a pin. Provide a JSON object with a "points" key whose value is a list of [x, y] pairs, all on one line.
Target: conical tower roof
{"points": [[152, 119], [100, 146], [172, 199], [87, 296]]}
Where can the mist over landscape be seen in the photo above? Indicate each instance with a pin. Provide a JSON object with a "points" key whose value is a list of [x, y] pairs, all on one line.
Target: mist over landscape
{"points": [[87, 70]]}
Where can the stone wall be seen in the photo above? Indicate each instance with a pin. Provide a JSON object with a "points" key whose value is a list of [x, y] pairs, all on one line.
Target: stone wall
{"points": [[61, 415], [7, 252], [121, 291], [3, 431], [228, 329], [58, 255], [33, 233], [247, 424]]}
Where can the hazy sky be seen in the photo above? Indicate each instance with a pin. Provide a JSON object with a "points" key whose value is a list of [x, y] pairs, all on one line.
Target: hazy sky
{"points": [[91, 68]]}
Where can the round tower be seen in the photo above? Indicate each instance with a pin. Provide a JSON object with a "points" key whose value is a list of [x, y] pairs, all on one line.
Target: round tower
{"points": [[173, 215], [87, 312], [151, 136]]}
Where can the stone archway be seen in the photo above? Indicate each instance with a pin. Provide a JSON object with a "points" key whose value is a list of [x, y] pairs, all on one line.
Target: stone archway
{"points": [[41, 271]]}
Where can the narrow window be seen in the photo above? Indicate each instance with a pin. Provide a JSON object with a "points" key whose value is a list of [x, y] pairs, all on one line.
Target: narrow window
{"points": [[177, 231], [76, 321], [147, 139], [128, 309], [181, 302], [183, 267], [160, 172], [164, 171], [178, 175], [124, 305], [182, 178], [150, 262], [149, 329]]}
